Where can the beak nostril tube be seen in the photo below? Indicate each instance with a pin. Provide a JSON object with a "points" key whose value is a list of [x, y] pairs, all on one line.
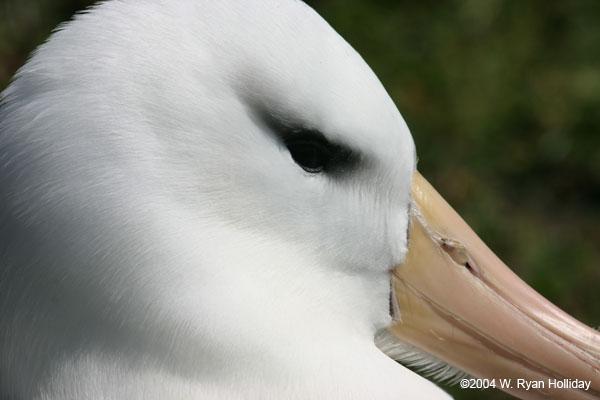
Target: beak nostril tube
{"points": [[459, 254], [470, 269]]}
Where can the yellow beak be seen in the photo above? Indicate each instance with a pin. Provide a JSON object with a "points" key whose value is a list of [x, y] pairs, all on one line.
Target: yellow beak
{"points": [[459, 302]]}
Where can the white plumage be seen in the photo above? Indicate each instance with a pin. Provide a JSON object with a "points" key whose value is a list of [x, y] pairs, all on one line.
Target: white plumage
{"points": [[158, 240]]}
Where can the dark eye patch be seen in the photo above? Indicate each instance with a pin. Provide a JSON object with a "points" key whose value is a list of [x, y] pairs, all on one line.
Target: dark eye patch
{"points": [[309, 148], [315, 154], [311, 155]]}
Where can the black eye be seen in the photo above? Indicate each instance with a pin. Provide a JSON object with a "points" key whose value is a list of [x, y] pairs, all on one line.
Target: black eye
{"points": [[310, 154]]}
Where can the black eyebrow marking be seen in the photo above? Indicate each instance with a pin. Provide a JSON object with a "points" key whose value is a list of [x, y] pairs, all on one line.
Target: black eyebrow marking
{"points": [[342, 160]]}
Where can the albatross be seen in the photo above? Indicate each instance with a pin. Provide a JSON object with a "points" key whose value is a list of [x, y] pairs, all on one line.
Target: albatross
{"points": [[219, 200]]}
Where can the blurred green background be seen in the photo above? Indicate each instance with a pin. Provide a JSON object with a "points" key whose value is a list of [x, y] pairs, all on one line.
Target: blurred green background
{"points": [[503, 99]]}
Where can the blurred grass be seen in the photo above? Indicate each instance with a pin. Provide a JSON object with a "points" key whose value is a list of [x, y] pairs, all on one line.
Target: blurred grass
{"points": [[503, 99]]}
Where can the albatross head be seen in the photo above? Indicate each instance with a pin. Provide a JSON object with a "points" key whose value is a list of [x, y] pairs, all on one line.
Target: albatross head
{"points": [[206, 199]]}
